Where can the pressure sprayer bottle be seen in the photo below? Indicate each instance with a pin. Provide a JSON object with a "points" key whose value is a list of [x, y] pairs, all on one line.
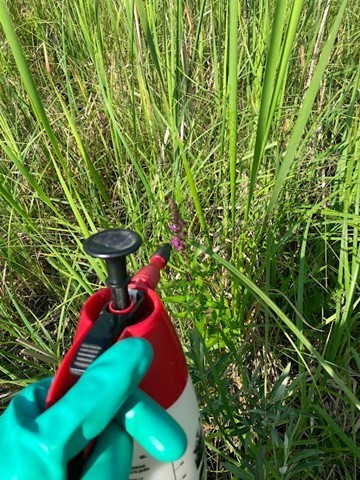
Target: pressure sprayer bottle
{"points": [[131, 308]]}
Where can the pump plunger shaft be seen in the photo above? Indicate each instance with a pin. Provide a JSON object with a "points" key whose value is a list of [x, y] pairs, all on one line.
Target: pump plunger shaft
{"points": [[113, 246]]}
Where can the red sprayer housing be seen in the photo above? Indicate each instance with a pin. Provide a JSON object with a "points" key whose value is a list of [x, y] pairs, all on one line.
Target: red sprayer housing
{"points": [[167, 380], [167, 376], [168, 373]]}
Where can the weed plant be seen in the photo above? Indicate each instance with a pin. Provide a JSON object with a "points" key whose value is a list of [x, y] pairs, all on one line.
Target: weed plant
{"points": [[241, 115]]}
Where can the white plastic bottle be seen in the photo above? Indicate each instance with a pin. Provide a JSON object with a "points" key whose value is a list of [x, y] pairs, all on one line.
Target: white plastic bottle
{"points": [[169, 384]]}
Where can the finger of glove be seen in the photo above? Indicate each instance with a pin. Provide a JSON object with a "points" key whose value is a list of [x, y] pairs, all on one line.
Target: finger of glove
{"points": [[18, 431], [28, 404], [111, 457], [89, 406], [152, 427]]}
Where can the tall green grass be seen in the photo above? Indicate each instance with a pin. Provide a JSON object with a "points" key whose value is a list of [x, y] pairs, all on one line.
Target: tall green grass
{"points": [[246, 115]]}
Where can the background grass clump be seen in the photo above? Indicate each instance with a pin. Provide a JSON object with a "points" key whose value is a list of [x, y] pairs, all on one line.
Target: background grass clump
{"points": [[243, 116]]}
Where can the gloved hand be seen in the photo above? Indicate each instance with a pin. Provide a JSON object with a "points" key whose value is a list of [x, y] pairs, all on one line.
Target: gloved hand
{"points": [[104, 403]]}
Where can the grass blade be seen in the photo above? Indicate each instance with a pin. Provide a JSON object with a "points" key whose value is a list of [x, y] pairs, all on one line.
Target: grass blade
{"points": [[38, 107], [232, 109], [279, 314], [305, 110]]}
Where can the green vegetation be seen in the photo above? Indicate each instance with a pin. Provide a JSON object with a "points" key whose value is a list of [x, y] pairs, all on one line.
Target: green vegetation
{"points": [[244, 114]]}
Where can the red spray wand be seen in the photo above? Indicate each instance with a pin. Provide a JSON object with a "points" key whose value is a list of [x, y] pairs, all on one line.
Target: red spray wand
{"points": [[131, 308]]}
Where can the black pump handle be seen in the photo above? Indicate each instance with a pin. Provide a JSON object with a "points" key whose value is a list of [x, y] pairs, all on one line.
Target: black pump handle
{"points": [[113, 246]]}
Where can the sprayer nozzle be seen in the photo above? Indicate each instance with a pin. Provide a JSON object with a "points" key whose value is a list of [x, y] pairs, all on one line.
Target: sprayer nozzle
{"points": [[164, 251]]}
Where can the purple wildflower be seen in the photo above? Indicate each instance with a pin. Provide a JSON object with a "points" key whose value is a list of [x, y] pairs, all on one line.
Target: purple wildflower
{"points": [[177, 226], [175, 242]]}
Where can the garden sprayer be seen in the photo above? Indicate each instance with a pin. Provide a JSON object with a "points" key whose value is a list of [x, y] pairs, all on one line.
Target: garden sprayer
{"points": [[129, 307]]}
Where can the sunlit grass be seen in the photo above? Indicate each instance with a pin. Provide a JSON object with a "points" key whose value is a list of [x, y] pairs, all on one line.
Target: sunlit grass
{"points": [[246, 115]]}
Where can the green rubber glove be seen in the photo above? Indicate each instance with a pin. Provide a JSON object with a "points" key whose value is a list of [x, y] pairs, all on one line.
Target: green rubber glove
{"points": [[105, 402]]}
